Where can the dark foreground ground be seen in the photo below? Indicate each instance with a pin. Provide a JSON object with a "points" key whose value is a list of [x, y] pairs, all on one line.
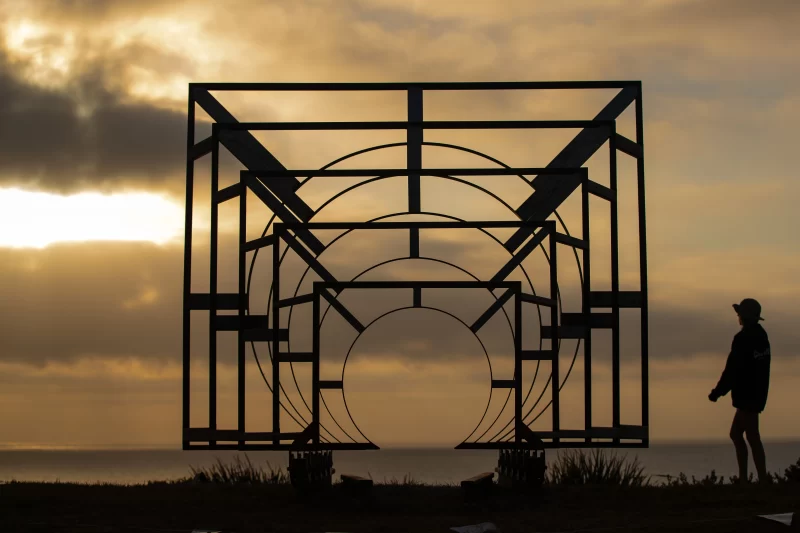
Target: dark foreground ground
{"points": [[161, 507]]}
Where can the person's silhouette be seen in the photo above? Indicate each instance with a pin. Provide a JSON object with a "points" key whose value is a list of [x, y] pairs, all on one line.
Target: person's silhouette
{"points": [[746, 376]]}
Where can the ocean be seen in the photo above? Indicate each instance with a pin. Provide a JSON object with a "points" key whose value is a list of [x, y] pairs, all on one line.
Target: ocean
{"points": [[436, 465]]}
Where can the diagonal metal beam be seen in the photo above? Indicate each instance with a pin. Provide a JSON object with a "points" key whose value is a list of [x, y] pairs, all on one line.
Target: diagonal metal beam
{"points": [[552, 189], [347, 315], [494, 308], [520, 256], [274, 204], [309, 259], [253, 155]]}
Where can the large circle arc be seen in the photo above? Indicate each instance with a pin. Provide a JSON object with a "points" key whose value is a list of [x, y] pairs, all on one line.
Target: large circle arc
{"points": [[454, 179]]}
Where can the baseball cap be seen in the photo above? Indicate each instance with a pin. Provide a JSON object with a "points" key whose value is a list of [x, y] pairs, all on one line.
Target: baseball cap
{"points": [[748, 308]]}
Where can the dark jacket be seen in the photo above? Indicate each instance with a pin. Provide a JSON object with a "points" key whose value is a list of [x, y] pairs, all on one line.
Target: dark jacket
{"points": [[746, 373]]}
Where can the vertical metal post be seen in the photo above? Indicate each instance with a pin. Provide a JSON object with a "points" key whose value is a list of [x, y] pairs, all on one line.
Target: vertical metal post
{"points": [[187, 272], [277, 231], [414, 149], [586, 307], [242, 302], [315, 362], [212, 314], [642, 261], [554, 327], [518, 416], [613, 205]]}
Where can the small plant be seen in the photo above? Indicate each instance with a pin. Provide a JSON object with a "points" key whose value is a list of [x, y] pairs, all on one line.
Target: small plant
{"points": [[239, 472], [576, 467], [408, 481], [792, 474]]}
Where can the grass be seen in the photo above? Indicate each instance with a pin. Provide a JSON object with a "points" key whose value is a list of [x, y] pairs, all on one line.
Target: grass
{"points": [[240, 472], [243, 497], [577, 467], [570, 468]]}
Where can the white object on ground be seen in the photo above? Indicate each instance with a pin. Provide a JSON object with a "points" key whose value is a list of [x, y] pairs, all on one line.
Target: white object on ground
{"points": [[784, 518], [485, 527]]}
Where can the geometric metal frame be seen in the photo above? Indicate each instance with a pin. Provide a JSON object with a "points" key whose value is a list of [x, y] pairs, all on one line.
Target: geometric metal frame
{"points": [[275, 186]]}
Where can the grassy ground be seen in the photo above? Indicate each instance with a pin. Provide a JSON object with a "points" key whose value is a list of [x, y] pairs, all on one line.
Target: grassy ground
{"points": [[244, 500]]}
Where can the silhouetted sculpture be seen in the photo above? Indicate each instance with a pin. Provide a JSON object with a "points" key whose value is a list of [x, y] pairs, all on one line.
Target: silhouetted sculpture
{"points": [[746, 376]]}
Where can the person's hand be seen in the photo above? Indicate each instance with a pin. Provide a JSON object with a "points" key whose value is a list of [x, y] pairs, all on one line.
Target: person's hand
{"points": [[713, 396]]}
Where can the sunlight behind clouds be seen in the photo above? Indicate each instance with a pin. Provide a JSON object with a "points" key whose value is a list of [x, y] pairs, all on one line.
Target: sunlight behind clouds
{"points": [[35, 219]]}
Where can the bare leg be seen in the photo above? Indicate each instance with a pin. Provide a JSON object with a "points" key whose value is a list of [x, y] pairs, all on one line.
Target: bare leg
{"points": [[737, 436], [754, 438]]}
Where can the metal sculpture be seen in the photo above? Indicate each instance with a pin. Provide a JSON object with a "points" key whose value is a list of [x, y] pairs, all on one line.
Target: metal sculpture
{"points": [[292, 229]]}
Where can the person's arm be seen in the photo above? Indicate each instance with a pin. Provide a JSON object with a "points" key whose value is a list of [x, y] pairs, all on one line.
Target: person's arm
{"points": [[730, 373]]}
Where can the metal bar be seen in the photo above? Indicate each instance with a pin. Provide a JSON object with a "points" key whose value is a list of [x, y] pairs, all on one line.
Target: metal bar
{"points": [[347, 315], [369, 172], [503, 383], [206, 434], [414, 148], [586, 292], [489, 313], [627, 146], [642, 260], [330, 384], [297, 357], [518, 415], [306, 256], [601, 191], [288, 447], [201, 149], [538, 300], [279, 233], [421, 224], [615, 343], [297, 300], [252, 154], [315, 362], [229, 193], [537, 355], [226, 301], [625, 299], [212, 315], [263, 335], [400, 86], [413, 242], [237, 323], [417, 296], [592, 320], [507, 445], [261, 242], [242, 307], [565, 332], [551, 190], [420, 284], [404, 125], [556, 406], [520, 256], [187, 275], [276, 206], [571, 241]]}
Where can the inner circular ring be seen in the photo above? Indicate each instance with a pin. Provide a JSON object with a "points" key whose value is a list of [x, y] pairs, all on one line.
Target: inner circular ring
{"points": [[388, 313]]}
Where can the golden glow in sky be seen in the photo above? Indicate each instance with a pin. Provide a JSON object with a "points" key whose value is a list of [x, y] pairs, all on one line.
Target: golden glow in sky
{"points": [[36, 219]]}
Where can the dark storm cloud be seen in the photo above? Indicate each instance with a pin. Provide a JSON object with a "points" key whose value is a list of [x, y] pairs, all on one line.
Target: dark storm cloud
{"points": [[49, 144], [94, 10]]}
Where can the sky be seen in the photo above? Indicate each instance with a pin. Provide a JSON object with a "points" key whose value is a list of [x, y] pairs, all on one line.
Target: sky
{"points": [[92, 191]]}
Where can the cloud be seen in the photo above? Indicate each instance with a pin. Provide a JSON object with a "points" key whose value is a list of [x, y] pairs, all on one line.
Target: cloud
{"points": [[50, 144]]}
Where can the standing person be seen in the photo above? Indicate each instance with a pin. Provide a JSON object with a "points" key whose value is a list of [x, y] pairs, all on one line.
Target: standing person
{"points": [[746, 376]]}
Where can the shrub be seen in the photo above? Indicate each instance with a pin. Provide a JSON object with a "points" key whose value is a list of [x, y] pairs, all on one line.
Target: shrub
{"points": [[239, 472], [577, 467]]}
